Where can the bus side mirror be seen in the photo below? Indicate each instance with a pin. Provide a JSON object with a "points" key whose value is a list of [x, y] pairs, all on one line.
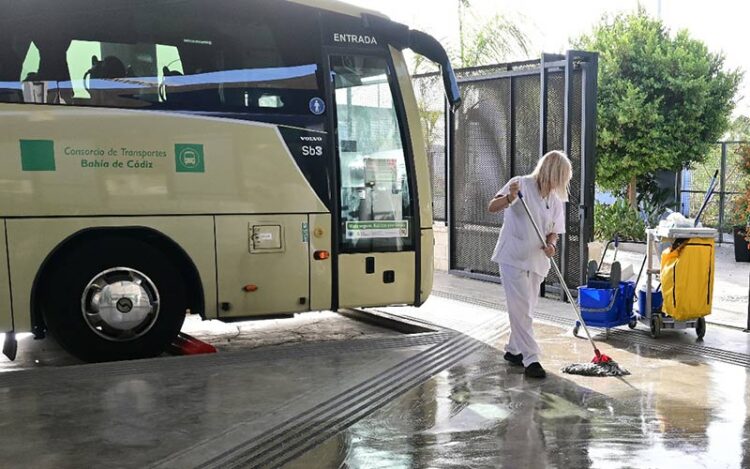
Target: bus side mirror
{"points": [[428, 46]]}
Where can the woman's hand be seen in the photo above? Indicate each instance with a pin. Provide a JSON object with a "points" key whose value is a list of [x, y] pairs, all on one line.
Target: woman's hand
{"points": [[501, 202], [514, 188], [550, 250]]}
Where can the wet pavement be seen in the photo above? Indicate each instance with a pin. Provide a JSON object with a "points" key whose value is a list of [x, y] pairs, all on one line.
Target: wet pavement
{"points": [[324, 326], [177, 411], [354, 395], [730, 299], [674, 411], [720, 342]]}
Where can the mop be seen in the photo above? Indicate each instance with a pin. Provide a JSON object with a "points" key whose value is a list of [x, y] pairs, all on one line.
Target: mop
{"points": [[601, 365]]}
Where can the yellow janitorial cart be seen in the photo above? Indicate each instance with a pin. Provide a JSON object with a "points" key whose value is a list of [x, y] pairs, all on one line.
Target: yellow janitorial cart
{"points": [[683, 298]]}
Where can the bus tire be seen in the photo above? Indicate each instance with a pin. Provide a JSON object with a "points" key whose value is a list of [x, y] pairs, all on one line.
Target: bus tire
{"points": [[114, 298]]}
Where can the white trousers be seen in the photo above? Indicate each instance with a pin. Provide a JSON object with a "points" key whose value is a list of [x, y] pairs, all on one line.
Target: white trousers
{"points": [[522, 295]]}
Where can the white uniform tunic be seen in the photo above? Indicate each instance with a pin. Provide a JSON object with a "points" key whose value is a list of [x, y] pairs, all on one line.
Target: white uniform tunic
{"points": [[523, 264]]}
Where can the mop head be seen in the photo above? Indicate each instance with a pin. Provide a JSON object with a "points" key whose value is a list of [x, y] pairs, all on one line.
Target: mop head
{"points": [[601, 365]]}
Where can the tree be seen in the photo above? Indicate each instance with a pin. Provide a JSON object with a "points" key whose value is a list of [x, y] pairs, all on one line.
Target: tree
{"points": [[481, 42], [486, 42], [663, 100], [463, 5], [492, 42], [739, 129]]}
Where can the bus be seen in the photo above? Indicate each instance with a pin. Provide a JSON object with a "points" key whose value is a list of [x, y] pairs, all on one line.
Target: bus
{"points": [[234, 159]]}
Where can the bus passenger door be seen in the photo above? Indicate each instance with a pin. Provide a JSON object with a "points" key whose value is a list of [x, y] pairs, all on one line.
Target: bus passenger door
{"points": [[376, 245]]}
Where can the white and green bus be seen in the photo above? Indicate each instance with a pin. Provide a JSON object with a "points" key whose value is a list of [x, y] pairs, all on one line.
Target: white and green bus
{"points": [[229, 158]]}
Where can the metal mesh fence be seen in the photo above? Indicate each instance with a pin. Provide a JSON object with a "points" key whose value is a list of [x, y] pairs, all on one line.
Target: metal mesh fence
{"points": [[573, 236], [719, 213], [555, 126], [498, 132], [555, 110], [480, 166], [526, 91], [498, 135]]}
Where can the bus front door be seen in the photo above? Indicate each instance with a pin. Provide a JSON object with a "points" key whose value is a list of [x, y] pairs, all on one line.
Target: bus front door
{"points": [[376, 261]]}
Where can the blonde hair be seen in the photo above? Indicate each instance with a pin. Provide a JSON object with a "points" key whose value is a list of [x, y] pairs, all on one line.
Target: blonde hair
{"points": [[553, 173]]}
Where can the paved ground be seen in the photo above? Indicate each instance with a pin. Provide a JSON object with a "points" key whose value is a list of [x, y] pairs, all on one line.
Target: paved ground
{"points": [[491, 295], [339, 393], [674, 411], [226, 337], [730, 300], [731, 289]]}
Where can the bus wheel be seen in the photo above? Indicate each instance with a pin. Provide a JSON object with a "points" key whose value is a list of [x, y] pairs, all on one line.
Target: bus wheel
{"points": [[114, 298]]}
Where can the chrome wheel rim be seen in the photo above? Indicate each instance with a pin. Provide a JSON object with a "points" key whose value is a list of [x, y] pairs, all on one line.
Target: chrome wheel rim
{"points": [[120, 304]]}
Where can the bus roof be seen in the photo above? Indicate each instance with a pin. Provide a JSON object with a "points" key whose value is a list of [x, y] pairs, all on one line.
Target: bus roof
{"points": [[335, 6], [338, 7]]}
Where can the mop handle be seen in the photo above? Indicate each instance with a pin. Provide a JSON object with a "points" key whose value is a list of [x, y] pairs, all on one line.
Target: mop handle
{"points": [[707, 198], [559, 274]]}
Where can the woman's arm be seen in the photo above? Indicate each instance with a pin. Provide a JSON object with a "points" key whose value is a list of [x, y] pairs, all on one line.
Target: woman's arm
{"points": [[501, 202], [558, 227]]}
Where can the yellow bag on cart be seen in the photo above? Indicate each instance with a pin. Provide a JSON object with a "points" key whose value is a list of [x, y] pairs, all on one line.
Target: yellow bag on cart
{"points": [[687, 279]]}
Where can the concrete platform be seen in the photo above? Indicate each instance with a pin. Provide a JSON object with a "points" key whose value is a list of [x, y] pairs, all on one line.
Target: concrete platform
{"points": [[381, 399], [178, 410], [305, 328], [720, 341], [674, 411]]}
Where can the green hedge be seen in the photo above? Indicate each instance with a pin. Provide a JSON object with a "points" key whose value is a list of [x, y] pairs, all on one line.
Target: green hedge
{"points": [[618, 219]]}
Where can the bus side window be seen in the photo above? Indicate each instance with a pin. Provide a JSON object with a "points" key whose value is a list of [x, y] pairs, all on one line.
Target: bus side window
{"points": [[239, 60], [127, 75], [32, 90]]}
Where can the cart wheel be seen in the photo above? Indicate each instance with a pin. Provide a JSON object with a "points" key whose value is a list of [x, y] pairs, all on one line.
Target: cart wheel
{"points": [[700, 327], [576, 328], [633, 323], [655, 326]]}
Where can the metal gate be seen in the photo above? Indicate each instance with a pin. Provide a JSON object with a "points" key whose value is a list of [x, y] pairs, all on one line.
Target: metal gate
{"points": [[725, 158], [510, 116]]}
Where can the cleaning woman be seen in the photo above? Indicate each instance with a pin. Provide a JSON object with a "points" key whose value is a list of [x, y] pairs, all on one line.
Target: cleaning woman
{"points": [[523, 262]]}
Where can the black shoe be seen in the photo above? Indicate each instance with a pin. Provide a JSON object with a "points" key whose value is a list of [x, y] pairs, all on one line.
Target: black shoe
{"points": [[515, 360], [535, 370]]}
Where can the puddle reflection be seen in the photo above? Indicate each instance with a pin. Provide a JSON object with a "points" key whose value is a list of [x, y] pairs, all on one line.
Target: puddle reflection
{"points": [[483, 413]]}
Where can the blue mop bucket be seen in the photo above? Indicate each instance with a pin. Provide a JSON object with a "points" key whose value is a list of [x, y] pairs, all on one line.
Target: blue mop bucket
{"points": [[657, 300], [602, 306]]}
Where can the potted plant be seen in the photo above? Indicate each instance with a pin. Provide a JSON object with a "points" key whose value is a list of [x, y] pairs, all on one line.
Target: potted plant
{"points": [[740, 216], [741, 226]]}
